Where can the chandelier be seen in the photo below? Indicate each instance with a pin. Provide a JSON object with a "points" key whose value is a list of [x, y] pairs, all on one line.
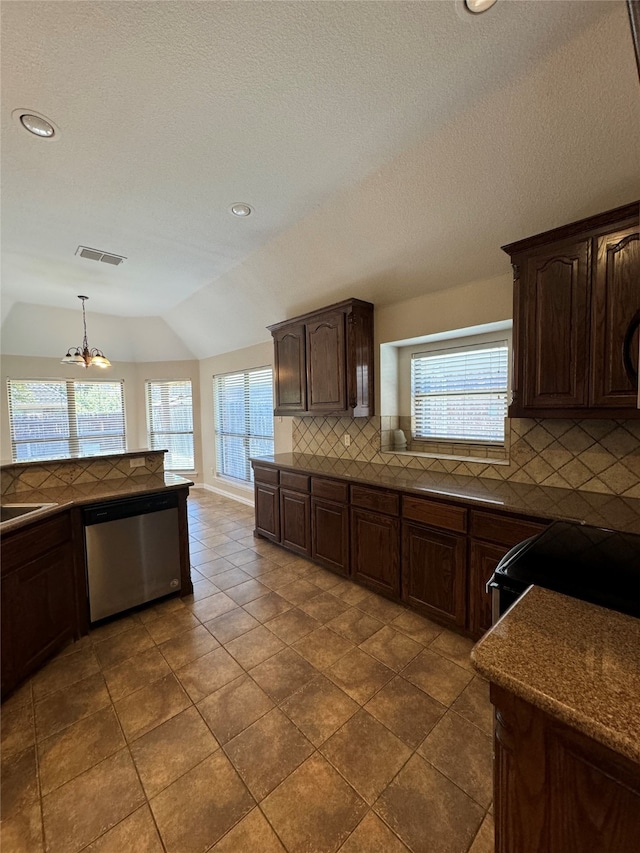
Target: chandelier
{"points": [[85, 357]]}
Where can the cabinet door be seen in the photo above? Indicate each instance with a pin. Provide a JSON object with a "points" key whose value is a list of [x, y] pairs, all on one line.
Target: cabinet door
{"points": [[484, 559], [267, 509], [326, 364], [433, 573], [615, 301], [554, 327], [295, 532], [330, 534], [289, 370], [375, 547]]}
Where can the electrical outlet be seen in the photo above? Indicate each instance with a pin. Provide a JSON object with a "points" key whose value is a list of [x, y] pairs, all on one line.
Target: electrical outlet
{"points": [[137, 462], [346, 439]]}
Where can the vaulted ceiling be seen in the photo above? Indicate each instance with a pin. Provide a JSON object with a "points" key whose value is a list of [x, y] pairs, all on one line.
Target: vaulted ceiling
{"points": [[388, 149]]}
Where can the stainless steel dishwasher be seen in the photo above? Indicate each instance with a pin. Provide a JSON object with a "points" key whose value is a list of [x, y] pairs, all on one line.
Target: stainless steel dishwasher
{"points": [[133, 552]]}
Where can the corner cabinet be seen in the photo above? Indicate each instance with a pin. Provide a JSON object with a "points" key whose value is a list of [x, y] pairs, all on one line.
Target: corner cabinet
{"points": [[576, 318], [324, 362]]}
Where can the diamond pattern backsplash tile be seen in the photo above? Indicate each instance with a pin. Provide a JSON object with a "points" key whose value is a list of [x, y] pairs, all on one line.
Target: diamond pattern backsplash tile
{"points": [[592, 456], [65, 472]]}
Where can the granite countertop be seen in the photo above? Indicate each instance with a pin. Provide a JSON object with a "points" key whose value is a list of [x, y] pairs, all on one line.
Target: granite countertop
{"points": [[577, 662], [125, 454], [549, 502], [88, 493]]}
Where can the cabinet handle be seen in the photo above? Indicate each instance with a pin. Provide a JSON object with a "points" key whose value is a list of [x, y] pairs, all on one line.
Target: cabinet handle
{"points": [[627, 359]]}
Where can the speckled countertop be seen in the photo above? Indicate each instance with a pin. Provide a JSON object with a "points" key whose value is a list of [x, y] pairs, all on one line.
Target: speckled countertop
{"points": [[549, 502], [87, 493], [577, 662]]}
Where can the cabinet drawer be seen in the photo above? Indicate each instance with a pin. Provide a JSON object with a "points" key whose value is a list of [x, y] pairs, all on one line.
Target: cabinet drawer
{"points": [[502, 529], [298, 482], [265, 475], [435, 514], [332, 490], [388, 502], [37, 538]]}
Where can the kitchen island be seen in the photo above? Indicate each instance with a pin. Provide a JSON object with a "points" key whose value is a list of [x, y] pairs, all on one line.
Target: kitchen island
{"points": [[565, 683]]}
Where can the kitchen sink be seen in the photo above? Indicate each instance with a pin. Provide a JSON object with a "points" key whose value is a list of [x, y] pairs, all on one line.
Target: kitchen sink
{"points": [[10, 511]]}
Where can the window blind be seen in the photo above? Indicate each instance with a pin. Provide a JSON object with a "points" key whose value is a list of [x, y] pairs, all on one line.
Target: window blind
{"points": [[170, 421], [57, 418], [243, 404], [460, 394]]}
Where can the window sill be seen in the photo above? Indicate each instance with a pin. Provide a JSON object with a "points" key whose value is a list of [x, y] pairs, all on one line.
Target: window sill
{"points": [[486, 460]]}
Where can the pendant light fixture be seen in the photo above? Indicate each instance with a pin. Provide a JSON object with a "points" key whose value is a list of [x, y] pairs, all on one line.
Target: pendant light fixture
{"points": [[85, 357]]}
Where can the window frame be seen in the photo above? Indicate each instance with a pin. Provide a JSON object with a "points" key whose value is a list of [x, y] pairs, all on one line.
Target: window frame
{"points": [[246, 436], [74, 438], [151, 433]]}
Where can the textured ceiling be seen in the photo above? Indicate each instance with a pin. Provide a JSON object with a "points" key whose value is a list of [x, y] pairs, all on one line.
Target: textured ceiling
{"points": [[388, 149]]}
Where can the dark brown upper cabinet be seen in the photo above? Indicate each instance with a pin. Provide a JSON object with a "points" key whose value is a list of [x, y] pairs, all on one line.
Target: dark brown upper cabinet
{"points": [[324, 361], [576, 317]]}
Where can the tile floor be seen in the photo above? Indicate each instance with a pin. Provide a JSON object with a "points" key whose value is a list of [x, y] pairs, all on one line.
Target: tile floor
{"points": [[280, 708]]}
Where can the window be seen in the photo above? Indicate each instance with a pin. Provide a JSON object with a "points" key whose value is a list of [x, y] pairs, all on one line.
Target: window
{"points": [[243, 404], [170, 422], [460, 393], [58, 418]]}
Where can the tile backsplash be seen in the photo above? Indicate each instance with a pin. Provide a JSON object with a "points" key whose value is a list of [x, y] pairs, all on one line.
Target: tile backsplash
{"points": [[589, 455]]}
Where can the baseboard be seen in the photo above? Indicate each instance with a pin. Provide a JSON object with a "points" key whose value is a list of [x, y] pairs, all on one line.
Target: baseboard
{"points": [[248, 501]]}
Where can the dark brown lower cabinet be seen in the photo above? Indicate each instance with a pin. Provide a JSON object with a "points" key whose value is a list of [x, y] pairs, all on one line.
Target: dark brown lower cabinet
{"points": [[330, 534], [294, 521], [433, 573], [483, 560], [375, 551], [557, 790], [267, 509]]}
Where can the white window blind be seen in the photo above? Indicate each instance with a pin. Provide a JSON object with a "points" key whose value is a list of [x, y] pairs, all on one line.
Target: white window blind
{"points": [[243, 404], [170, 421], [57, 418], [460, 394]]}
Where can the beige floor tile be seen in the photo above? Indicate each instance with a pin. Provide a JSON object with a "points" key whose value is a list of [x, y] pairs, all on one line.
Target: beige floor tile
{"points": [[484, 842], [206, 674], [22, 833], [227, 548], [255, 646], [406, 710], [332, 809], [391, 647], [427, 811], [323, 578], [267, 607], [231, 625], [171, 749], [62, 672], [417, 627], [188, 647], [212, 606], [355, 625], [454, 647], [371, 835], [234, 707], [17, 727], [252, 835], [136, 672], [323, 647], [292, 625], [319, 709], [115, 626], [152, 705], [241, 558], [470, 768], [92, 803], [299, 591], [135, 834], [324, 607], [248, 591], [267, 752], [258, 567], [203, 558], [195, 811], [202, 587], [75, 749], [380, 608], [279, 577], [475, 706], [59, 710], [359, 675], [440, 678], [213, 566], [233, 577], [172, 625], [128, 644], [283, 674], [367, 754], [351, 593], [19, 787]]}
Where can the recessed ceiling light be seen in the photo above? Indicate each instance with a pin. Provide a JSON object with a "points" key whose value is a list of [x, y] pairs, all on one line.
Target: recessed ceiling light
{"points": [[478, 6], [239, 208], [36, 123]]}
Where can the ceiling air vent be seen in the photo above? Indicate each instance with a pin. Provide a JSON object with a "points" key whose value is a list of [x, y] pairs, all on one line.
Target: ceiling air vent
{"points": [[97, 255]]}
